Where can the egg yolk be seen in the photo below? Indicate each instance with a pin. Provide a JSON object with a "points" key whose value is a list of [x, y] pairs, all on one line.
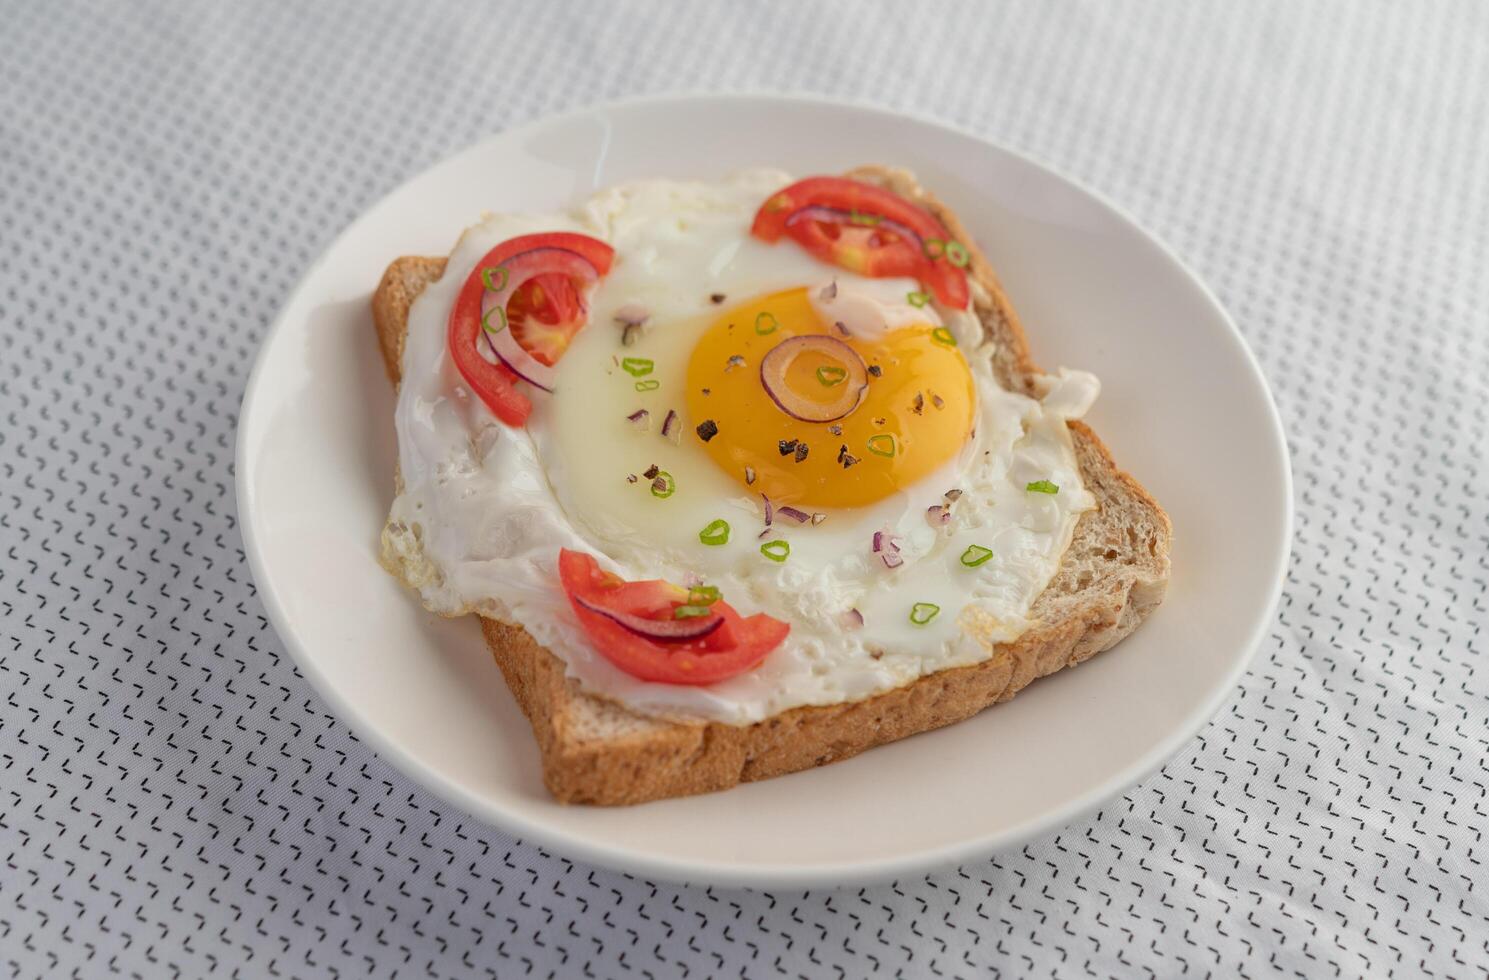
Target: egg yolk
{"points": [[914, 416]]}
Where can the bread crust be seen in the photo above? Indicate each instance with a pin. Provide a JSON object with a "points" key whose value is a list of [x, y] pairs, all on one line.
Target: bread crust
{"points": [[1114, 574]]}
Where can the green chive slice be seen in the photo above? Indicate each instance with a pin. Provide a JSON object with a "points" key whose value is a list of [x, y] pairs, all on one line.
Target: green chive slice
{"points": [[934, 248], [942, 335], [663, 485], [766, 323], [716, 533], [1042, 486], [486, 320], [690, 611], [704, 595], [500, 284], [648, 385], [637, 367], [882, 444], [776, 550], [918, 298], [831, 376], [923, 612], [957, 254], [976, 555]]}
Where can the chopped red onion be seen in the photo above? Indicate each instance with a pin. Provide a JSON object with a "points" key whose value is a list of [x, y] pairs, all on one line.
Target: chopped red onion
{"points": [[818, 518], [657, 629], [640, 418], [769, 510], [749, 475], [799, 516], [632, 315], [672, 426], [829, 292], [852, 619], [887, 550], [952, 496], [938, 515]]}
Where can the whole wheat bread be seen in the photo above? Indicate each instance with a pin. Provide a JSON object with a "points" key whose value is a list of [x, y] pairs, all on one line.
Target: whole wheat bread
{"points": [[596, 751]]}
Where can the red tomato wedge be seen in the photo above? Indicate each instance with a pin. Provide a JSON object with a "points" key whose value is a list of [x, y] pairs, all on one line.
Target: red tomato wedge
{"points": [[868, 230], [621, 617], [535, 285]]}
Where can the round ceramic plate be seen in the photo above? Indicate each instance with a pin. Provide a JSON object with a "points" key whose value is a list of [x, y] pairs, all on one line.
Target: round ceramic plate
{"points": [[1183, 407]]}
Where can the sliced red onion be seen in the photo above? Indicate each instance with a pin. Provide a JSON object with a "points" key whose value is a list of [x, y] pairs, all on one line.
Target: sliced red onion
{"points": [[829, 292], [892, 559], [834, 216], [749, 475], [952, 496], [774, 365], [938, 515], [657, 629], [672, 426], [640, 418], [799, 516], [769, 510], [852, 619], [520, 269]]}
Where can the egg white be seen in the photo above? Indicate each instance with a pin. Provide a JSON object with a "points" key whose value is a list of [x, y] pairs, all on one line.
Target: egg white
{"points": [[483, 509]]}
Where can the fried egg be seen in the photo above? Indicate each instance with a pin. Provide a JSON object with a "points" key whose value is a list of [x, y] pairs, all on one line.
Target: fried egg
{"points": [[692, 435]]}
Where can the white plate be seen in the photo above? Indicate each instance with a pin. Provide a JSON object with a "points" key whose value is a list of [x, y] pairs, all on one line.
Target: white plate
{"points": [[1183, 406]]}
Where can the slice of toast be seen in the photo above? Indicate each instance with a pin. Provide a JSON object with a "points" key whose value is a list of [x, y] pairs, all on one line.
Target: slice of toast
{"points": [[597, 751]]}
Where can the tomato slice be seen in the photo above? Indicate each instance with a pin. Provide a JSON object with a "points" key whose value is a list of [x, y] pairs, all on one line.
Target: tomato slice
{"points": [[544, 315], [739, 643], [548, 305], [864, 229]]}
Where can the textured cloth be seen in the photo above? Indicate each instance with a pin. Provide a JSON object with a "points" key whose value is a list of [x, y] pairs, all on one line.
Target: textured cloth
{"points": [[175, 800]]}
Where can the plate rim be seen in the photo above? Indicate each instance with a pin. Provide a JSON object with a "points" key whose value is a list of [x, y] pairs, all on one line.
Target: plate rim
{"points": [[767, 876]]}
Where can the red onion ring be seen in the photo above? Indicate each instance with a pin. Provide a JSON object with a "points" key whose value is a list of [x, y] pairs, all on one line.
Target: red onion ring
{"points": [[521, 268], [774, 365], [657, 629]]}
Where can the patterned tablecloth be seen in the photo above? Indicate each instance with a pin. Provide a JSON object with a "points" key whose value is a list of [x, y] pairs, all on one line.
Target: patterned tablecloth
{"points": [[174, 799]]}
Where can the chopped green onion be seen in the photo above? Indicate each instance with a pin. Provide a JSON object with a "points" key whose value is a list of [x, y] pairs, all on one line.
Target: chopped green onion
{"points": [[1042, 486], [766, 323], [485, 320], [882, 444], [776, 550], [669, 485], [716, 533], [934, 248], [957, 254], [918, 298], [689, 611], [637, 367], [649, 385], [704, 595], [831, 376], [863, 218], [498, 286], [976, 555], [923, 612], [942, 335]]}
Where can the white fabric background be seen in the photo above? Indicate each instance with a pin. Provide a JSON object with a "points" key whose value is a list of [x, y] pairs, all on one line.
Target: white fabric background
{"points": [[175, 801]]}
